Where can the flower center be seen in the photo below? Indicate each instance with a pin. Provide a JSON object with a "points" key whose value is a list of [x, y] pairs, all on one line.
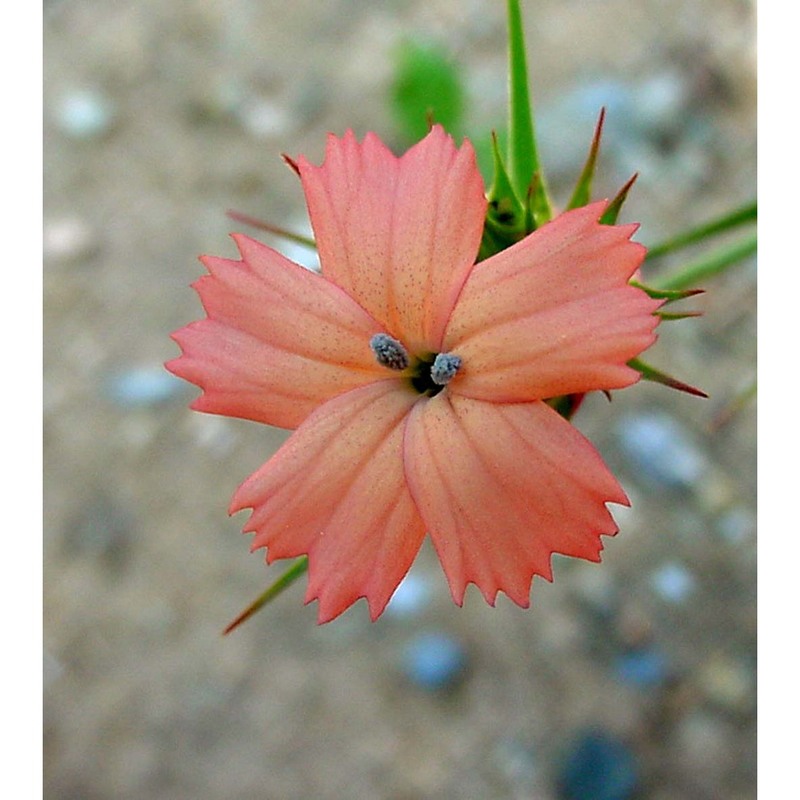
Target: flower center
{"points": [[430, 372]]}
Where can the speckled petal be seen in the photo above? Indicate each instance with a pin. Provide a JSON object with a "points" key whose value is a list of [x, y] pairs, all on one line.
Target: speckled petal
{"points": [[503, 487], [398, 234], [554, 314], [336, 491], [278, 340]]}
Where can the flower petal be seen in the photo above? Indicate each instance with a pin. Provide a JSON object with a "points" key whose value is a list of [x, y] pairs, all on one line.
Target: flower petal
{"points": [[336, 491], [503, 487], [398, 234], [278, 341], [553, 314]]}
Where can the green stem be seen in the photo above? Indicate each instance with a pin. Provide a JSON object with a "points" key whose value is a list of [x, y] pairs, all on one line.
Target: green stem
{"points": [[741, 216], [523, 159], [692, 274]]}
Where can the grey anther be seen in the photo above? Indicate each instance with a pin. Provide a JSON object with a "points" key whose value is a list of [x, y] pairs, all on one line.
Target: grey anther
{"points": [[389, 352], [444, 368]]}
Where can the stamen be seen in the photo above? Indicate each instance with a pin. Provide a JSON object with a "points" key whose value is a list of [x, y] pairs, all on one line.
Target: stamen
{"points": [[389, 352], [444, 368]]}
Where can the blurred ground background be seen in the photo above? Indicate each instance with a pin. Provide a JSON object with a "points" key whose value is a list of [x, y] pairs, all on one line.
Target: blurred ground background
{"points": [[634, 678]]}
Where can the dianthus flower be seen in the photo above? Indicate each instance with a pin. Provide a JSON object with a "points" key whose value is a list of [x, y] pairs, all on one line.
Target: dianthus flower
{"points": [[415, 379]]}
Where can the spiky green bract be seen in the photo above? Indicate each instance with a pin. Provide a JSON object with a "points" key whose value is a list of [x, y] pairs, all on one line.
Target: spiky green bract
{"points": [[582, 193], [611, 213], [523, 159], [667, 295], [652, 374], [286, 579]]}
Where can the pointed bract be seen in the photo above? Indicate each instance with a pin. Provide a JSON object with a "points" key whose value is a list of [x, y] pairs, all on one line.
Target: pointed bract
{"points": [[583, 189]]}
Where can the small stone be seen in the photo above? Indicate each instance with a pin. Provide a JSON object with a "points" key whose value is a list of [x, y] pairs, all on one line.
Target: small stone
{"points": [[435, 661], [659, 103], [704, 741], [264, 118], [517, 761], [730, 683], [645, 667], [673, 582], [68, 240], [659, 449], [84, 114], [596, 589], [52, 669], [410, 598], [599, 766], [101, 529], [213, 433], [736, 525], [143, 387]]}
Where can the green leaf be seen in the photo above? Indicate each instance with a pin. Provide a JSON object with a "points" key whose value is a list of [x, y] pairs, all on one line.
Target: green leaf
{"points": [[652, 374], [741, 216], [523, 159], [272, 591], [697, 271], [583, 189], [426, 86]]}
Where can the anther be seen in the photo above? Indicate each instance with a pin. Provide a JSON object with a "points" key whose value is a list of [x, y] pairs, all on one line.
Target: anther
{"points": [[444, 368], [389, 352]]}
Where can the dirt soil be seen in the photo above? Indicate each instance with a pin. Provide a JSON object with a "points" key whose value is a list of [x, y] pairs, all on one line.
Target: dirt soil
{"points": [[159, 117]]}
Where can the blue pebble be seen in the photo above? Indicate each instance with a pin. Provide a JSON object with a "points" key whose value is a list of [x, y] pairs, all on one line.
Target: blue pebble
{"points": [[673, 582], [645, 668], [143, 387], [659, 449], [84, 115], [435, 661], [598, 767]]}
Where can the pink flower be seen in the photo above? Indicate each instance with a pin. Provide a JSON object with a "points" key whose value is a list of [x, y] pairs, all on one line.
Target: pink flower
{"points": [[416, 379]]}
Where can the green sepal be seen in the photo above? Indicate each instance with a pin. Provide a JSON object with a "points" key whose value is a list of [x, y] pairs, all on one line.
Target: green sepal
{"points": [[652, 374], [523, 159], [668, 295], [285, 580], [502, 188], [583, 189], [611, 213], [505, 217]]}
